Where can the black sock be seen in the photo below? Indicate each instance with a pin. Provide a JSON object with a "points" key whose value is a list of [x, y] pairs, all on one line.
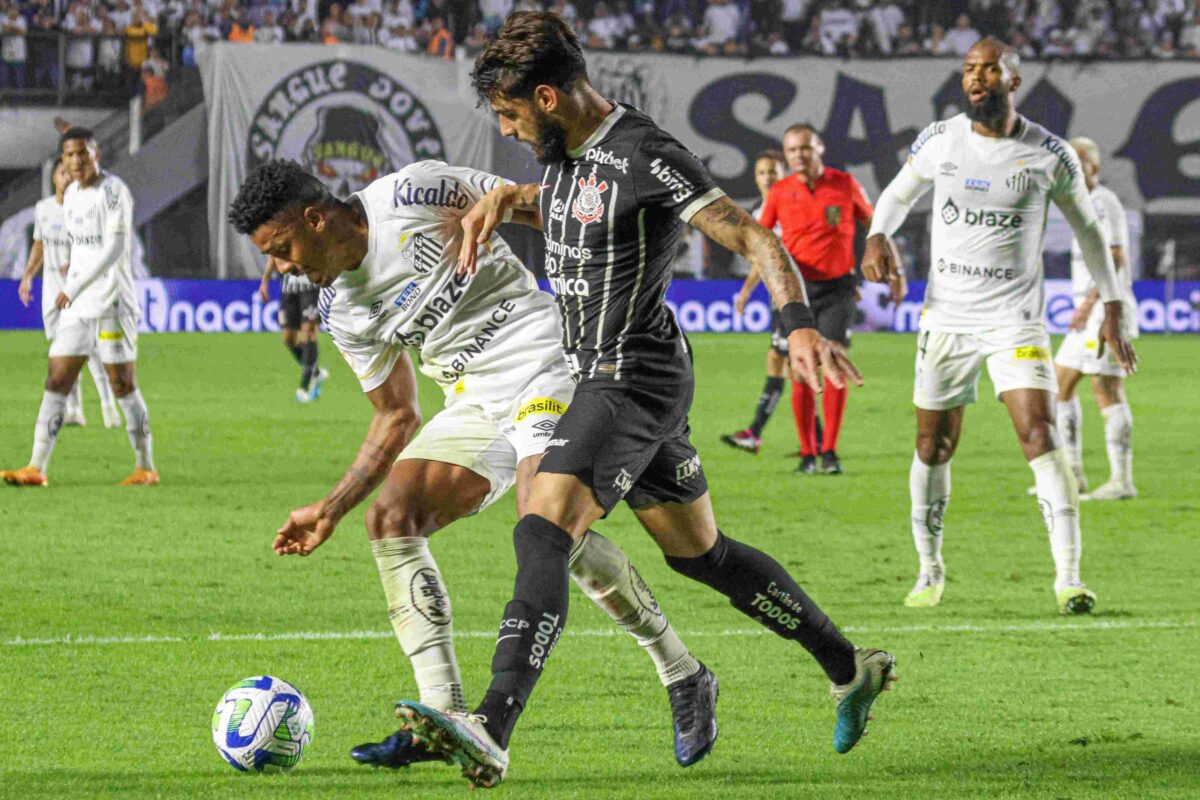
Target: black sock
{"points": [[297, 352], [761, 589], [308, 359], [533, 621], [772, 391]]}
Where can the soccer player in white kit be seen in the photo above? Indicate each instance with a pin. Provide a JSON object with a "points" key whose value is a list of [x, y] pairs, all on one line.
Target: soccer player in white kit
{"points": [[994, 174], [387, 264], [99, 311], [49, 255], [1078, 355]]}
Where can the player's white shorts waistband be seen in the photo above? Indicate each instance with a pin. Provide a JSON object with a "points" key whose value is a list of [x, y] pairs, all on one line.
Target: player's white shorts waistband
{"points": [[489, 425], [948, 365], [114, 338]]}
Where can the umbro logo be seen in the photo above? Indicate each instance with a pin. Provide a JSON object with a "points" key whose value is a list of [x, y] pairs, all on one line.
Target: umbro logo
{"points": [[546, 425]]}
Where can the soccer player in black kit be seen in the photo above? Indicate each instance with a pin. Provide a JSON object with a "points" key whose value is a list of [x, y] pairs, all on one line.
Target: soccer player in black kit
{"points": [[615, 195]]}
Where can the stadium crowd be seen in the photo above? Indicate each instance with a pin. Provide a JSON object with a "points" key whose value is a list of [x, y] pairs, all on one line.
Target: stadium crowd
{"points": [[107, 39]]}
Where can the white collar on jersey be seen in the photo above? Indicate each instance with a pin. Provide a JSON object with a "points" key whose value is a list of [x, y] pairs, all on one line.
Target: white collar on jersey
{"points": [[607, 125]]}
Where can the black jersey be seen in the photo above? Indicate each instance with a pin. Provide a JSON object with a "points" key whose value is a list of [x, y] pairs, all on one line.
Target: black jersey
{"points": [[613, 213]]}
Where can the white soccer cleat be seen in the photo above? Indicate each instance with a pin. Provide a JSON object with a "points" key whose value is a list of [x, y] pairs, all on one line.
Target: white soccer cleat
{"points": [[302, 396], [1113, 490], [927, 592], [462, 737], [74, 419], [112, 416]]}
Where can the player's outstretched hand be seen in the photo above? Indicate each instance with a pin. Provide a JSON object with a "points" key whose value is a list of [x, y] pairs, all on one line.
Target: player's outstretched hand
{"points": [[305, 530], [478, 225], [25, 291], [812, 357], [1113, 336]]}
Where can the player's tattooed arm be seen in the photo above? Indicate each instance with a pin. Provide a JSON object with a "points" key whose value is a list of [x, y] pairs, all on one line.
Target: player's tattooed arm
{"points": [[509, 202], [730, 226], [396, 420]]}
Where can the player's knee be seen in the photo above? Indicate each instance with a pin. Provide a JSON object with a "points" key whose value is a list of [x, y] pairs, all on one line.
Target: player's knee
{"points": [[1038, 438], [58, 383], [122, 383], [395, 520], [935, 448]]}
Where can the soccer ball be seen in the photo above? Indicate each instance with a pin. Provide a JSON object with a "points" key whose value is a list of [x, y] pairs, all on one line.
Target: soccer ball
{"points": [[262, 724]]}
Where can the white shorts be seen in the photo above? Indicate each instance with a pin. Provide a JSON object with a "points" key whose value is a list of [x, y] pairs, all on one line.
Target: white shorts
{"points": [[114, 338], [50, 321], [488, 426], [1078, 349], [948, 364]]}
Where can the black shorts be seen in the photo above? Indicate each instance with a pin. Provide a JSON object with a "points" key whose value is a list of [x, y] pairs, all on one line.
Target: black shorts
{"points": [[628, 441], [832, 303], [779, 337], [298, 307]]}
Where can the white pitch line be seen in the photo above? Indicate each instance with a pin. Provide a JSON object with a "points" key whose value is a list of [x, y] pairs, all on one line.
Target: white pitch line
{"points": [[1021, 627]]}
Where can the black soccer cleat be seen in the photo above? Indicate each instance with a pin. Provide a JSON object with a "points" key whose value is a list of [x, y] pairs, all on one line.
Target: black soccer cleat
{"points": [[396, 751], [807, 466], [830, 464], [694, 713]]}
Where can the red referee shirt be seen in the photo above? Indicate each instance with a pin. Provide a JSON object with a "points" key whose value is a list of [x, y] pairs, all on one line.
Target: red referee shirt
{"points": [[817, 225]]}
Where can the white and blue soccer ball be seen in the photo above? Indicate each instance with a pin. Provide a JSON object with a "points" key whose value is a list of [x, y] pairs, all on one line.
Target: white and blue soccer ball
{"points": [[262, 724]]}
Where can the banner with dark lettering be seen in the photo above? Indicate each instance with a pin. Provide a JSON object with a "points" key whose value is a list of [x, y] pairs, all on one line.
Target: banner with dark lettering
{"points": [[347, 114], [175, 306]]}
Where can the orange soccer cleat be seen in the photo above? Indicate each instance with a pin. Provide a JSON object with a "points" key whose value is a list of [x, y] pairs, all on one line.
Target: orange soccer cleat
{"points": [[142, 477], [25, 476]]}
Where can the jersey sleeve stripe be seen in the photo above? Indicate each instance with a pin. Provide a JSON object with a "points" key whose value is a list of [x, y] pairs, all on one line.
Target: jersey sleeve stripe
{"points": [[700, 203]]}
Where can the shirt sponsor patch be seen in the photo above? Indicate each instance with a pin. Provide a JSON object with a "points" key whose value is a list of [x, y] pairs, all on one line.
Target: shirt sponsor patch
{"points": [[111, 336], [977, 185], [541, 405], [1032, 354]]}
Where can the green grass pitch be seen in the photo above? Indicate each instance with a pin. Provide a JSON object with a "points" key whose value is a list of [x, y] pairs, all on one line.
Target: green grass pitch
{"points": [[998, 696]]}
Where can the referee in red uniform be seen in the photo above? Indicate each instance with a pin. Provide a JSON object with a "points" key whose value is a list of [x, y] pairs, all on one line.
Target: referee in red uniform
{"points": [[816, 208]]}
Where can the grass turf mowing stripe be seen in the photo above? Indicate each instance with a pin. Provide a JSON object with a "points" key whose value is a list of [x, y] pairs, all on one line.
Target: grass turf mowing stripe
{"points": [[1024, 627]]}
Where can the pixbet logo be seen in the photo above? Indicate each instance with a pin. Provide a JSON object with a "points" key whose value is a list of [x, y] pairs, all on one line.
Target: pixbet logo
{"points": [[606, 158]]}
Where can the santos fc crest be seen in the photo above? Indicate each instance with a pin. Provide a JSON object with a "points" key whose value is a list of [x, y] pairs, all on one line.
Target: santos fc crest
{"points": [[345, 122], [589, 205]]}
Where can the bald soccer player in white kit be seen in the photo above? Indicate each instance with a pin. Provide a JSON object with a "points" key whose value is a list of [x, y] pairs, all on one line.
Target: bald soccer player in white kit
{"points": [[994, 174]]}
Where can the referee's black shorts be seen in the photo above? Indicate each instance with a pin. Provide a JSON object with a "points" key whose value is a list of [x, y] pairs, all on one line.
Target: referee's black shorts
{"points": [[629, 441], [833, 304]]}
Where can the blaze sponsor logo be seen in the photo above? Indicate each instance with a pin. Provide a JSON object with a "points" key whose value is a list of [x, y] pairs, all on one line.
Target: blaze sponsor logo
{"points": [[542, 405], [428, 598], [977, 185], [1066, 156], [623, 482], [1031, 354], [950, 212], [407, 193], [974, 271], [407, 298], [606, 158], [670, 177], [589, 203], [688, 469], [1020, 181], [571, 287]]}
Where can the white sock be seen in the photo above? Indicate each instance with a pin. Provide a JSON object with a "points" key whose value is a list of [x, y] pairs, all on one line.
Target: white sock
{"points": [[137, 425], [1058, 498], [1070, 427], [75, 399], [45, 431], [1118, 440], [419, 608], [602, 571], [100, 379], [929, 490]]}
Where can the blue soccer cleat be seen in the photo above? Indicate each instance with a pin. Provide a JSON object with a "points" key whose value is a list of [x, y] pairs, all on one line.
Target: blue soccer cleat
{"points": [[873, 673], [396, 751], [694, 713], [461, 738]]}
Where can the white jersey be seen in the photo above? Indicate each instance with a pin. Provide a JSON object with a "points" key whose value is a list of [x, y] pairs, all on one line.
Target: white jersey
{"points": [[50, 228], [1115, 226], [407, 293], [100, 226], [990, 202]]}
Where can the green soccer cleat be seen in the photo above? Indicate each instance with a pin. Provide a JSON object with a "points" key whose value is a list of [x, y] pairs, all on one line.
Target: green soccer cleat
{"points": [[460, 737], [873, 673], [927, 592], [1075, 599]]}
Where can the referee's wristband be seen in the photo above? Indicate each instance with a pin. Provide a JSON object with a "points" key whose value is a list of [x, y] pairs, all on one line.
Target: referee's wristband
{"points": [[795, 316]]}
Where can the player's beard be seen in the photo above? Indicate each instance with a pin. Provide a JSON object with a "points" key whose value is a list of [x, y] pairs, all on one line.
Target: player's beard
{"points": [[550, 139], [992, 109]]}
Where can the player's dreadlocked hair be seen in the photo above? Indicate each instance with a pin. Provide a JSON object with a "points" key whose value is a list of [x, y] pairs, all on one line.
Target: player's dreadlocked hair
{"points": [[532, 48], [271, 189]]}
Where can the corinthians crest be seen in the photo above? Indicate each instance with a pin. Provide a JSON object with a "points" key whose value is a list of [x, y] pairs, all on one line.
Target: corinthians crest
{"points": [[589, 205], [346, 122]]}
